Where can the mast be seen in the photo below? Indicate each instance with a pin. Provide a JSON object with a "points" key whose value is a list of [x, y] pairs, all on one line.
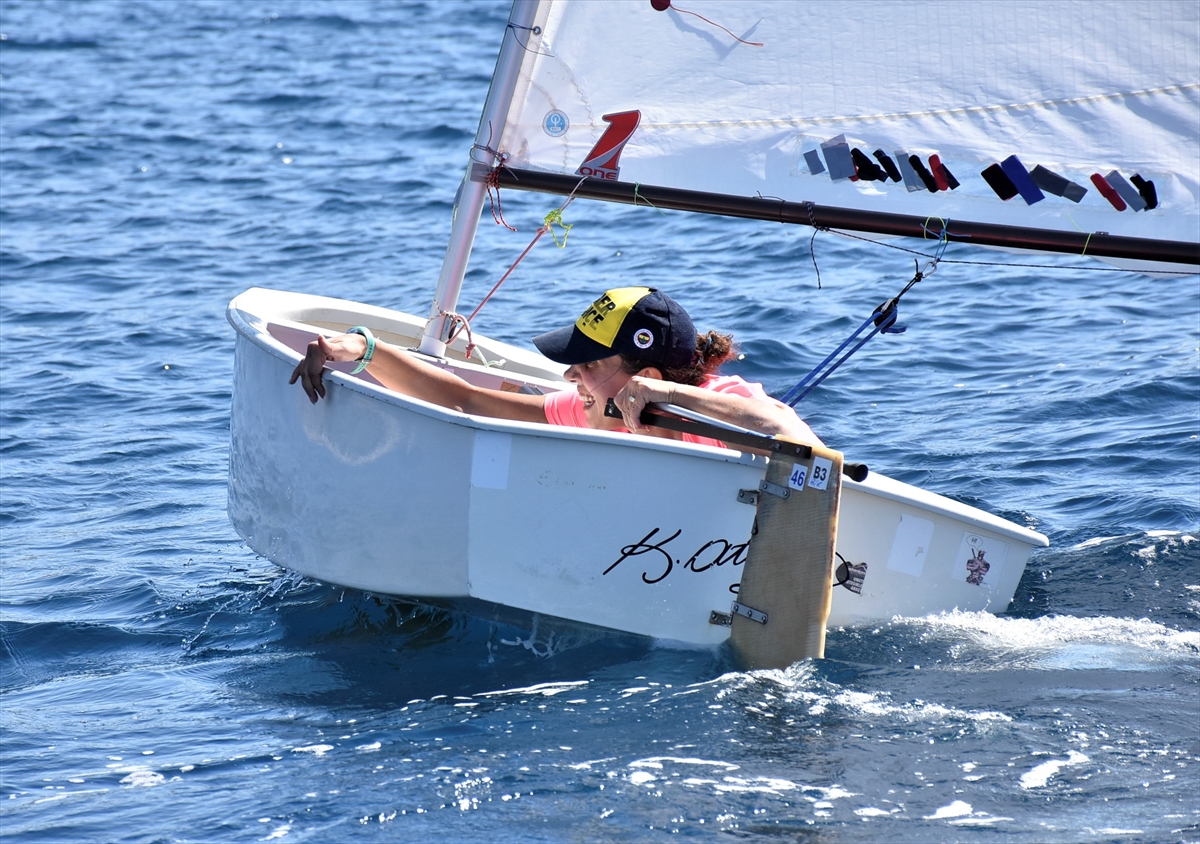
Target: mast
{"points": [[468, 204], [1097, 244]]}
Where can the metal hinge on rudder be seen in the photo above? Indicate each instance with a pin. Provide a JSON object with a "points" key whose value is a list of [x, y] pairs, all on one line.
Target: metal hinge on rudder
{"points": [[750, 496], [749, 612], [725, 619]]}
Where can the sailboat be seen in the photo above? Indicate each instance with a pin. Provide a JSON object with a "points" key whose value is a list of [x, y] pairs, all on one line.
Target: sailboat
{"points": [[1065, 127]]}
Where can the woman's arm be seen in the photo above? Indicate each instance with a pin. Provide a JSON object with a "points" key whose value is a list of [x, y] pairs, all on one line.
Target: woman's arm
{"points": [[405, 374], [769, 417]]}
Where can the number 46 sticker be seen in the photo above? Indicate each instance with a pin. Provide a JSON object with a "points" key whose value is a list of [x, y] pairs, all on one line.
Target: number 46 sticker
{"points": [[798, 477], [819, 477]]}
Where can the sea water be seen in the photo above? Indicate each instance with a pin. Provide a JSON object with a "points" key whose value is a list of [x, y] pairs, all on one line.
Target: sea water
{"points": [[163, 683]]}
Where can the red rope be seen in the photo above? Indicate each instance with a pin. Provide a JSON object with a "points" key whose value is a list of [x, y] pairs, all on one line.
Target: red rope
{"points": [[466, 322], [504, 277], [493, 181], [663, 5], [545, 229]]}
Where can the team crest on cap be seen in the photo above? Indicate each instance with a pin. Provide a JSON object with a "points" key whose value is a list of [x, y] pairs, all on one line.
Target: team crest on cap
{"points": [[643, 338]]}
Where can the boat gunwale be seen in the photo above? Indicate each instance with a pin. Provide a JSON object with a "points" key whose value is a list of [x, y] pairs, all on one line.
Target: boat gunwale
{"points": [[273, 345]]}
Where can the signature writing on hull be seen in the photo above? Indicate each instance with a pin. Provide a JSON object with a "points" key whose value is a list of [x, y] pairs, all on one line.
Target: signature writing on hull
{"points": [[660, 561]]}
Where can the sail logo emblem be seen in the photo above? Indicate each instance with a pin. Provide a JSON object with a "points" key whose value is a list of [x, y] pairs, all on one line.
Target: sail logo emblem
{"points": [[555, 123], [602, 161]]}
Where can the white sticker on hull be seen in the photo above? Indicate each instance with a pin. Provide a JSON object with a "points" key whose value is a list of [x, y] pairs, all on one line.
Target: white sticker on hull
{"points": [[819, 478], [979, 560], [489, 463], [911, 545]]}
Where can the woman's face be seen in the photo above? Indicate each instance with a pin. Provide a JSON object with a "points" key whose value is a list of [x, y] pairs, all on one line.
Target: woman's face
{"points": [[597, 382]]}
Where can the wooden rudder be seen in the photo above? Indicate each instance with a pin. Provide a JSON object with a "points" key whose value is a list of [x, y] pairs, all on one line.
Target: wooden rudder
{"points": [[788, 573]]}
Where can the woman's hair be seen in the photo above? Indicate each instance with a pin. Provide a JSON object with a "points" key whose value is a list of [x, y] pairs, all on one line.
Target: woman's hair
{"points": [[712, 350]]}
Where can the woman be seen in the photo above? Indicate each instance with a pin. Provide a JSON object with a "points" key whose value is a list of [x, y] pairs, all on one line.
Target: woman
{"points": [[635, 345]]}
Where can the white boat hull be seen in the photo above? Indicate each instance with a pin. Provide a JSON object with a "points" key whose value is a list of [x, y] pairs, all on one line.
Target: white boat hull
{"points": [[381, 492]]}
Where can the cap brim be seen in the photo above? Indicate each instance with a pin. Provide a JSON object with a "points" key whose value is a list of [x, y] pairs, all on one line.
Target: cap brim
{"points": [[570, 346]]}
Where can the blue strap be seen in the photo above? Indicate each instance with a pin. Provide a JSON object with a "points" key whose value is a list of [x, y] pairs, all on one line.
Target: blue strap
{"points": [[883, 318]]}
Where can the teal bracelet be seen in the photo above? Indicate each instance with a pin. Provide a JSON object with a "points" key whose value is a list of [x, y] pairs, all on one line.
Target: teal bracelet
{"points": [[370, 353]]}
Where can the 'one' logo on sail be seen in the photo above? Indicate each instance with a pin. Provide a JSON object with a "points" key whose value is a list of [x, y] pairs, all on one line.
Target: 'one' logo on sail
{"points": [[601, 162]]}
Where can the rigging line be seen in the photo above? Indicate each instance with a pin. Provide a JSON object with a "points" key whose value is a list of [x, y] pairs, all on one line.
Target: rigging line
{"points": [[663, 5], [554, 216], [812, 253], [495, 154], [1000, 263], [881, 321], [637, 196], [493, 181], [1087, 242], [458, 319], [466, 322], [571, 195], [943, 242], [535, 31], [846, 563], [812, 221]]}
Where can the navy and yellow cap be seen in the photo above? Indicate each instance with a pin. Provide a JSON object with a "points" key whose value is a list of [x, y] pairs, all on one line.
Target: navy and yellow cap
{"points": [[639, 323]]}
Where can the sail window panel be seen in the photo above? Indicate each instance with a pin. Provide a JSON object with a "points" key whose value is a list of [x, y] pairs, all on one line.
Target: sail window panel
{"points": [[911, 180], [838, 158]]}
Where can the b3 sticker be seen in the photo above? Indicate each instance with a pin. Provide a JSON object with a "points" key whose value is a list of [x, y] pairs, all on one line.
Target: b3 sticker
{"points": [[819, 477]]}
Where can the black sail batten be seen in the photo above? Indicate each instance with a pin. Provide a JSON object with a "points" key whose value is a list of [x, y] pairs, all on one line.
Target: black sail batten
{"points": [[1096, 244]]}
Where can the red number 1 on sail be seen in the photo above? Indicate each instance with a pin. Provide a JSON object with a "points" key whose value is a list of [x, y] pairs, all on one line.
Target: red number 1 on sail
{"points": [[601, 162]]}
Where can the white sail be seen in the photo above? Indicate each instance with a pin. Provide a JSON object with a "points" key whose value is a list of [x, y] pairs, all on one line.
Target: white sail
{"points": [[1083, 90]]}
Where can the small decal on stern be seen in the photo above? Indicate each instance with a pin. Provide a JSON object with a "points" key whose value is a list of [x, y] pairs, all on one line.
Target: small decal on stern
{"points": [[979, 560]]}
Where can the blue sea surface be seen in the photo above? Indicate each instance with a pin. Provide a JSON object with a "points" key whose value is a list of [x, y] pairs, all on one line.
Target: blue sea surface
{"points": [[159, 682]]}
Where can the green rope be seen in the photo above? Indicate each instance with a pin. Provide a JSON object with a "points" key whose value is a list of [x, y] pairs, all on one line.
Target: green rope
{"points": [[637, 196], [554, 218]]}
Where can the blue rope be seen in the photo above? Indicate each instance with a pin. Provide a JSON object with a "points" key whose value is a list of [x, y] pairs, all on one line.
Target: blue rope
{"points": [[884, 320]]}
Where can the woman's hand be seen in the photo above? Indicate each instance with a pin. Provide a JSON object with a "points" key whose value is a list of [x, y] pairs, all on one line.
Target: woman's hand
{"points": [[769, 417], [320, 351], [639, 392]]}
